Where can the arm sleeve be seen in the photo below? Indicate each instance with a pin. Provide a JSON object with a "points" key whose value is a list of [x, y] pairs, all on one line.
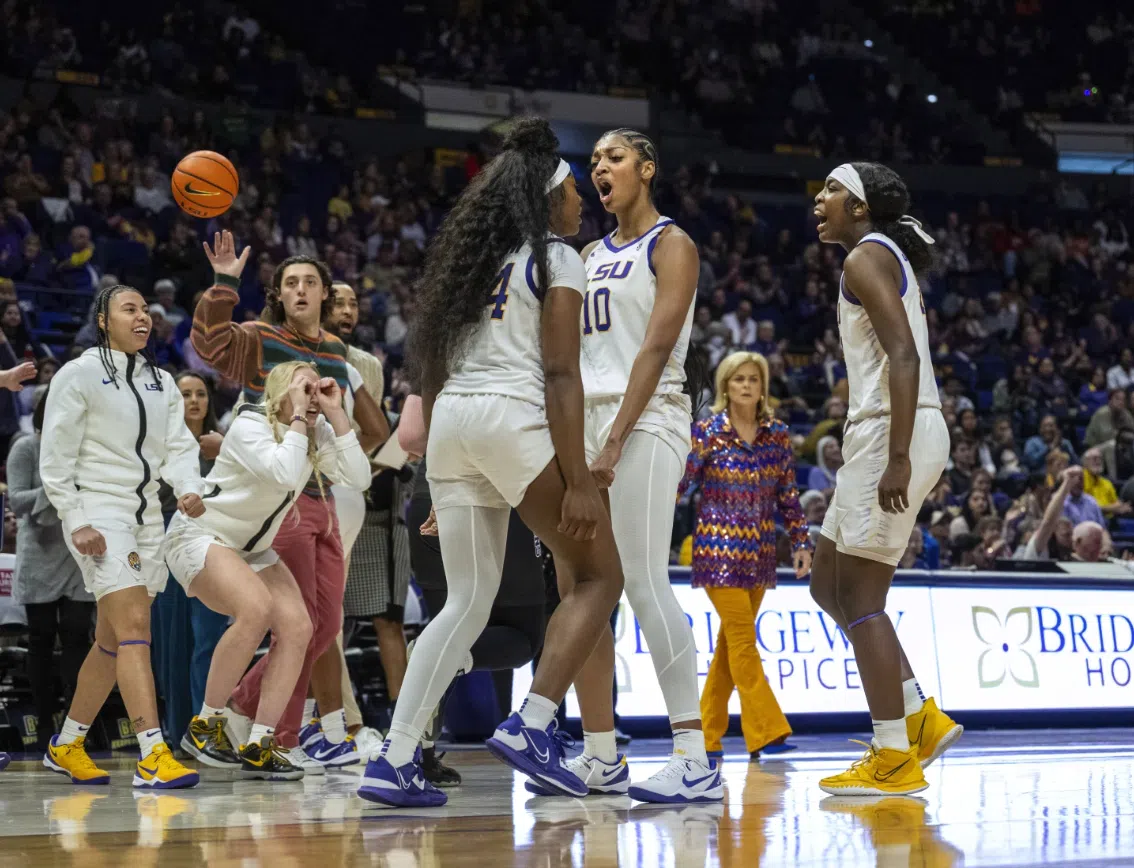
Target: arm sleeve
{"points": [[232, 349], [695, 464], [341, 459], [787, 495], [64, 424], [26, 500], [565, 267], [252, 446], [182, 465]]}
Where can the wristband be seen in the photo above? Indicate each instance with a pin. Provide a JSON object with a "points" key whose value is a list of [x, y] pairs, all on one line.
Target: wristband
{"points": [[299, 417]]}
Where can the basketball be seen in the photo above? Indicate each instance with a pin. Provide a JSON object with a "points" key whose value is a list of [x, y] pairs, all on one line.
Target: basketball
{"points": [[204, 184]]}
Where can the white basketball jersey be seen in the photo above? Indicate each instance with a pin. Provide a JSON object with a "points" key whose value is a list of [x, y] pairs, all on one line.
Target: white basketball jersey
{"points": [[505, 356], [621, 287], [868, 367]]}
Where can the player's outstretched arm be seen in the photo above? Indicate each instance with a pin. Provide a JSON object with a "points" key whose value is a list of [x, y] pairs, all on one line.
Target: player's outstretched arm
{"points": [[873, 275], [232, 350]]}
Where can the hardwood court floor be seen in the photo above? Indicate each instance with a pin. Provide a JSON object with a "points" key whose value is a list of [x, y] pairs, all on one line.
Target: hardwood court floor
{"points": [[1018, 799]]}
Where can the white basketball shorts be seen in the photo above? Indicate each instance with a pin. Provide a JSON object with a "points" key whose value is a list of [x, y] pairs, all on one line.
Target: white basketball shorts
{"points": [[135, 556], [485, 450], [666, 416], [855, 521], [187, 544]]}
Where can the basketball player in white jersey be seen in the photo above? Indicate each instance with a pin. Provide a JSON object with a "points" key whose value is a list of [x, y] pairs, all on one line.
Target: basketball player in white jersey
{"points": [[637, 316], [895, 446], [496, 339]]}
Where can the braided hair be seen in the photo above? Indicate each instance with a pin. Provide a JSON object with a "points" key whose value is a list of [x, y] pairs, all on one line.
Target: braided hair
{"points": [[644, 147], [889, 200], [102, 323]]}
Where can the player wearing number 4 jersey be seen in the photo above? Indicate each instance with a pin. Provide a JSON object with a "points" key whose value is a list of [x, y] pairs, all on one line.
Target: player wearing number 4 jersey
{"points": [[496, 347], [895, 446], [637, 317]]}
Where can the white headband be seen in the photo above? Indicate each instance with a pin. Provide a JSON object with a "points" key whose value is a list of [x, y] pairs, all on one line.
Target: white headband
{"points": [[848, 176], [560, 175]]}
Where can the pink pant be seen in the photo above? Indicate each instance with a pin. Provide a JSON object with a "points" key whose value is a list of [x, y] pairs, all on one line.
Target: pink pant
{"points": [[312, 550]]}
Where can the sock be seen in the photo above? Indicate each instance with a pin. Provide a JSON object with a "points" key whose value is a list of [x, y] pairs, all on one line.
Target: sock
{"points": [[72, 732], [400, 744], [600, 745], [690, 743], [334, 726], [148, 740], [210, 711], [259, 731], [309, 711], [538, 712], [891, 734], [911, 691]]}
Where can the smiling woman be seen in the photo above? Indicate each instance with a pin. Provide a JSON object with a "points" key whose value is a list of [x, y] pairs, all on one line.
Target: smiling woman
{"points": [[103, 452]]}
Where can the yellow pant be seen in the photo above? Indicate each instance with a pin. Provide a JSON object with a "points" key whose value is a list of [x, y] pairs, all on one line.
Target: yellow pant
{"points": [[736, 665]]}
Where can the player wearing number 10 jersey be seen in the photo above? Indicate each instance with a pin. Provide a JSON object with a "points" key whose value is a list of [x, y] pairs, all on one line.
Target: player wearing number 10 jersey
{"points": [[636, 321]]}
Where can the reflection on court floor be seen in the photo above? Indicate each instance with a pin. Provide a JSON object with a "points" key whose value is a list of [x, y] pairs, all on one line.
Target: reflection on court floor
{"points": [[1001, 799]]}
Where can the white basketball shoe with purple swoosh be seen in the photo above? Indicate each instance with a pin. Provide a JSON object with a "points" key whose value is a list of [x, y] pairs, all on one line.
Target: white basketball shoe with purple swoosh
{"points": [[601, 778], [681, 781]]}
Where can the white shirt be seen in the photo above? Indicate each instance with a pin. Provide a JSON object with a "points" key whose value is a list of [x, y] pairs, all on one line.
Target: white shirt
{"points": [[504, 356], [106, 442], [621, 288], [1119, 378], [742, 335], [868, 368], [255, 478]]}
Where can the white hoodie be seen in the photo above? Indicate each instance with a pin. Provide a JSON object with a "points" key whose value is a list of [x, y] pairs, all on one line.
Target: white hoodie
{"points": [[255, 478], [106, 442]]}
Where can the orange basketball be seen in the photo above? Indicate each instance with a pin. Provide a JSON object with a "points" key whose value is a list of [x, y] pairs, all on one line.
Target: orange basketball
{"points": [[204, 184]]}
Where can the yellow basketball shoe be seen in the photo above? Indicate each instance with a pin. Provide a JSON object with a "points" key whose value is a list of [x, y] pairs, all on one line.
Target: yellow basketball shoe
{"points": [[72, 760], [880, 772], [161, 771], [932, 732]]}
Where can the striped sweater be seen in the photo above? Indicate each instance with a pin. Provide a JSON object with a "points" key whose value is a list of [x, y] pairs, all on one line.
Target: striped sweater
{"points": [[247, 351], [742, 487]]}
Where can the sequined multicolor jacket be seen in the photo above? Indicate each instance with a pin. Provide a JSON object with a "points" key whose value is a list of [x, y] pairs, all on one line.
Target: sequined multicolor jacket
{"points": [[742, 486]]}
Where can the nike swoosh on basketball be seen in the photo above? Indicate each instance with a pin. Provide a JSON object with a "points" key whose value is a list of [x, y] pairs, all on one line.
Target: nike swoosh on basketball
{"points": [[879, 776], [690, 783], [189, 189], [541, 755]]}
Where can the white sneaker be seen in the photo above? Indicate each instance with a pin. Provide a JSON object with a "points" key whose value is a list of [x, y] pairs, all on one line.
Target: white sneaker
{"points": [[681, 781], [298, 758], [369, 741], [601, 778], [237, 726]]}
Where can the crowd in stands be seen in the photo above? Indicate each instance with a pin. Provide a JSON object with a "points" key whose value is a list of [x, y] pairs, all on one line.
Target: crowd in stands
{"points": [[1010, 56]]}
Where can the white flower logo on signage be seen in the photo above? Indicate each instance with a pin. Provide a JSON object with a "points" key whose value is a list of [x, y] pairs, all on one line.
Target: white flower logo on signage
{"points": [[1005, 655]]}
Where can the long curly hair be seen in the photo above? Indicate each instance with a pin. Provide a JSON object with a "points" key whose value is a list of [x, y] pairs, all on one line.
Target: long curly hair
{"points": [[505, 205], [889, 200]]}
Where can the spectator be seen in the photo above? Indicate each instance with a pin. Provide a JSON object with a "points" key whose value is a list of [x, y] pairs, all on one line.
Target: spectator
{"points": [[834, 416], [165, 292], [1109, 419], [35, 266], [914, 556], [77, 261], [814, 506], [14, 332], [766, 343], [1048, 388], [969, 423], [976, 506], [1048, 438], [151, 193], [1087, 542], [828, 460], [1051, 537], [47, 582], [1121, 376], [301, 243], [1079, 506], [964, 464], [741, 326], [25, 185], [1094, 394], [1099, 487]]}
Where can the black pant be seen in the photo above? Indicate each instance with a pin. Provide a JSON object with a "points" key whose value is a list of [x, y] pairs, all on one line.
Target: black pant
{"points": [[71, 621]]}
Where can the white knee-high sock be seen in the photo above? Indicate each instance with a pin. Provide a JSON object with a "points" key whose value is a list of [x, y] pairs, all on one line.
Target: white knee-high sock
{"points": [[473, 541], [641, 506]]}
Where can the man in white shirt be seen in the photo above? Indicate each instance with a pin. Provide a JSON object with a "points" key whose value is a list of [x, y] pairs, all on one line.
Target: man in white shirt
{"points": [[741, 325]]}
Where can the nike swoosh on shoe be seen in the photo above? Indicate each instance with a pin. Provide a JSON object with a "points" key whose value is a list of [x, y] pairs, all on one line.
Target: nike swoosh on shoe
{"points": [[878, 776], [698, 781]]}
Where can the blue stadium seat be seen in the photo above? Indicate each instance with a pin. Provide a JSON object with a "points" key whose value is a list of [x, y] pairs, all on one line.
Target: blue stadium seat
{"points": [[984, 400], [802, 471], [1126, 525]]}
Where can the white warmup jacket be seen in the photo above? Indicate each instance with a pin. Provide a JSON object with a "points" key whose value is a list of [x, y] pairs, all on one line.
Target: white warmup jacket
{"points": [[255, 479], [106, 442]]}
